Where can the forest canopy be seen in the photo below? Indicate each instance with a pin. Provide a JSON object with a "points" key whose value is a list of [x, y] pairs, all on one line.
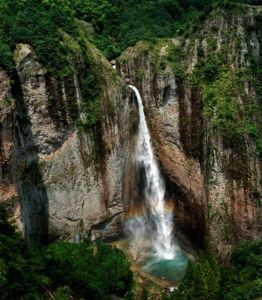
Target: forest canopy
{"points": [[117, 24], [61, 269]]}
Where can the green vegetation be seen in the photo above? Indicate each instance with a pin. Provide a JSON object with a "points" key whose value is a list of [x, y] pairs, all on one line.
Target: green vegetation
{"points": [[201, 281], [256, 71], [117, 24], [207, 280], [220, 103], [96, 271], [221, 89], [39, 25], [90, 93], [64, 270], [208, 70]]}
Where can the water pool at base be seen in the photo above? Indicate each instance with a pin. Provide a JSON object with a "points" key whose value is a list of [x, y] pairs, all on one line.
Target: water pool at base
{"points": [[168, 269]]}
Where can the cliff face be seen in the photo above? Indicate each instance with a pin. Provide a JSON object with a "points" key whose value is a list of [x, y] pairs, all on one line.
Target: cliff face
{"points": [[203, 106], [202, 100], [7, 167], [59, 179]]}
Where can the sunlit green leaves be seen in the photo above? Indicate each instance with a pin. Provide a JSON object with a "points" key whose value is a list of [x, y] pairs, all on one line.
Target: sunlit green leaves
{"points": [[84, 270]]}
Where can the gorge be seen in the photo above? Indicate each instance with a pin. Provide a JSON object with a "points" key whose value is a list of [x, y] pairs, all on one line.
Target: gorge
{"points": [[160, 147]]}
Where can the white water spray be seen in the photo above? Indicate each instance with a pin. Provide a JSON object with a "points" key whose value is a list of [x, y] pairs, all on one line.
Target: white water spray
{"points": [[155, 226]]}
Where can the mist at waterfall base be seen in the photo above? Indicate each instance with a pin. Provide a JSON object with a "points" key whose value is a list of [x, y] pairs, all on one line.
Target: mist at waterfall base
{"points": [[152, 242]]}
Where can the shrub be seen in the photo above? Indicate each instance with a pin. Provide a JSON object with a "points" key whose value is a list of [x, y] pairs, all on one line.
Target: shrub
{"points": [[86, 270], [207, 280], [201, 281]]}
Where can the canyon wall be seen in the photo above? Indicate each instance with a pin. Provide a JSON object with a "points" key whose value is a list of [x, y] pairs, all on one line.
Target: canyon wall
{"points": [[62, 180], [203, 107]]}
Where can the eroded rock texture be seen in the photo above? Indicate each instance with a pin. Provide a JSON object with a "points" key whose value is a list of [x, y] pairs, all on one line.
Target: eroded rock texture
{"points": [[8, 190], [67, 180]]}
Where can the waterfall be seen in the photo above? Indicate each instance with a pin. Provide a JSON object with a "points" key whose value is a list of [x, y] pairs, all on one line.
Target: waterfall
{"points": [[155, 226]]}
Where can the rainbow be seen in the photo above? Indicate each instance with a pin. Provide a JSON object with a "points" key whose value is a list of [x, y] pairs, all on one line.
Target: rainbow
{"points": [[138, 210]]}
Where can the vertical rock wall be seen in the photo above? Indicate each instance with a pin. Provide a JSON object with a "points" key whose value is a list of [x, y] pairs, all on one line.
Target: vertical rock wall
{"points": [[215, 184], [67, 180]]}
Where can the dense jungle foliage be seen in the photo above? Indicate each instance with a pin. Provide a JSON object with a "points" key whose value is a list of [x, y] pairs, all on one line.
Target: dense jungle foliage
{"points": [[117, 24], [60, 270], [207, 280], [63, 270]]}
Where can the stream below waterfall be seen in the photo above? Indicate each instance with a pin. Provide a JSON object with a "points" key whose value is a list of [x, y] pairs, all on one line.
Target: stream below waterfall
{"points": [[152, 242]]}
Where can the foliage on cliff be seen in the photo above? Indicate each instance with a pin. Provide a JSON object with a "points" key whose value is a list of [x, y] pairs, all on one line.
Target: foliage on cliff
{"points": [[118, 24], [30, 22], [84, 270]]}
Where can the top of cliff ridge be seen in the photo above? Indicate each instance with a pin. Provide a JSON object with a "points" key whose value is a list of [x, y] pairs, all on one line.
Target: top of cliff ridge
{"points": [[202, 26], [115, 25]]}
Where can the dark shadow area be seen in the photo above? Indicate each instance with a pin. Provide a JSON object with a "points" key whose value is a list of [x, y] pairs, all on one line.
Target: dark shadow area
{"points": [[189, 220], [191, 122], [166, 95], [29, 181]]}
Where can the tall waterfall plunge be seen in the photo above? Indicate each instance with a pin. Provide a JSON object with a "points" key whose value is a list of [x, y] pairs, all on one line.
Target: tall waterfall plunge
{"points": [[155, 226], [151, 232]]}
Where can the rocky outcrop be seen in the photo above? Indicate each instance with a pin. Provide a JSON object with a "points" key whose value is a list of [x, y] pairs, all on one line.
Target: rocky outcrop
{"points": [[8, 189], [67, 179], [213, 177]]}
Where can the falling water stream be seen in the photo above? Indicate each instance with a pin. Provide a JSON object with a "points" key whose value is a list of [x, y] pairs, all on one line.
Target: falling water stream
{"points": [[151, 232]]}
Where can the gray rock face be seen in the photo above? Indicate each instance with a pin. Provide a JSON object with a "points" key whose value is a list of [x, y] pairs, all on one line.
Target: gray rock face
{"points": [[38, 91], [66, 190], [8, 189]]}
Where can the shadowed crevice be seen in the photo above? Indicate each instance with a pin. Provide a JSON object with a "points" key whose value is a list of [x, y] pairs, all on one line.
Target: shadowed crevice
{"points": [[29, 181]]}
